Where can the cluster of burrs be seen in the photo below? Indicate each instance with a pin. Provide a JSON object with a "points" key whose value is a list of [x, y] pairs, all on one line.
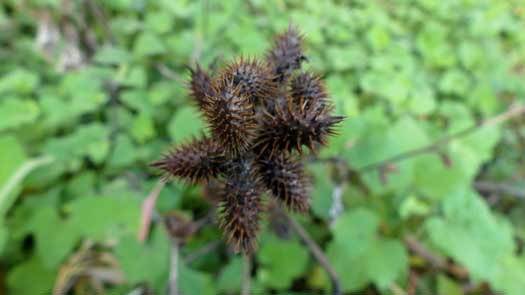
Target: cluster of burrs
{"points": [[260, 114]]}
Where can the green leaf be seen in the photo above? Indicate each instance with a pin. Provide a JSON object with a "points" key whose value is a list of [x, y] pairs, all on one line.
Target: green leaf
{"points": [[179, 127], [446, 286], [89, 140], [322, 191], [347, 58], [194, 282], [386, 261], [142, 129], [59, 112], [152, 256], [124, 154], [281, 262], [163, 91], [135, 77], [360, 256], [230, 277], [379, 37], [159, 22], [15, 112], [42, 278], [455, 82], [422, 100], [148, 44], [107, 216], [3, 236], [462, 232], [112, 55], [12, 156], [413, 206], [356, 229], [54, 237], [19, 81]]}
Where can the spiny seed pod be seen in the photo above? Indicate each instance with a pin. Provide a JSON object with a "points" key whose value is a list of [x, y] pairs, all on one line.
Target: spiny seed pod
{"points": [[179, 226], [240, 212], [198, 160], [200, 86], [308, 87], [255, 78], [293, 126], [231, 116], [260, 115], [286, 55], [286, 179]]}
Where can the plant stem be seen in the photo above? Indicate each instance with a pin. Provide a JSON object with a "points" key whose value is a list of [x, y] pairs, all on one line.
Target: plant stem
{"points": [[173, 287], [246, 273], [512, 112], [316, 251]]}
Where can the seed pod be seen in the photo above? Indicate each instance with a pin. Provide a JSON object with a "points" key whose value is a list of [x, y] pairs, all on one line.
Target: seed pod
{"points": [[231, 116], [258, 116], [286, 54], [292, 126], [286, 179], [255, 78], [200, 86], [308, 87], [199, 160], [179, 226], [240, 212]]}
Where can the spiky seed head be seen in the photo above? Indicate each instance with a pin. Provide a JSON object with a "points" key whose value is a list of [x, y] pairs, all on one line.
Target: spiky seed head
{"points": [[200, 85], [255, 78], [179, 226], [240, 212], [258, 117], [231, 117], [293, 126], [287, 180], [286, 54], [308, 87], [198, 160]]}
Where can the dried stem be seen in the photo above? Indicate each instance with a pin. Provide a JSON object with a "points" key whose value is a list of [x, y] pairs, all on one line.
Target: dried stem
{"points": [[148, 208], [246, 273], [512, 112], [436, 261], [499, 188], [316, 251], [170, 74], [173, 287]]}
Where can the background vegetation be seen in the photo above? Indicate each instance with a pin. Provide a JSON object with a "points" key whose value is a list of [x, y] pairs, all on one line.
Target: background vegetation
{"points": [[92, 91]]}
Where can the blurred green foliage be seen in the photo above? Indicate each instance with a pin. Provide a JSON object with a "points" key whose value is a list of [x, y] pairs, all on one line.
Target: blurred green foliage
{"points": [[98, 86]]}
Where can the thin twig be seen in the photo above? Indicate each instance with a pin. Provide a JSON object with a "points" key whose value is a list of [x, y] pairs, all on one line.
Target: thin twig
{"points": [[170, 74], [173, 287], [512, 112], [316, 251], [436, 261], [500, 188], [246, 274]]}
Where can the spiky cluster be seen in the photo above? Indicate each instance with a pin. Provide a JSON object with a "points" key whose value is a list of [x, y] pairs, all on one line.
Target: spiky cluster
{"points": [[260, 114]]}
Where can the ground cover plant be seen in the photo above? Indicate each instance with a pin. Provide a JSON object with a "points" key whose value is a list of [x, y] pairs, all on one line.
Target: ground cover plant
{"points": [[421, 191]]}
